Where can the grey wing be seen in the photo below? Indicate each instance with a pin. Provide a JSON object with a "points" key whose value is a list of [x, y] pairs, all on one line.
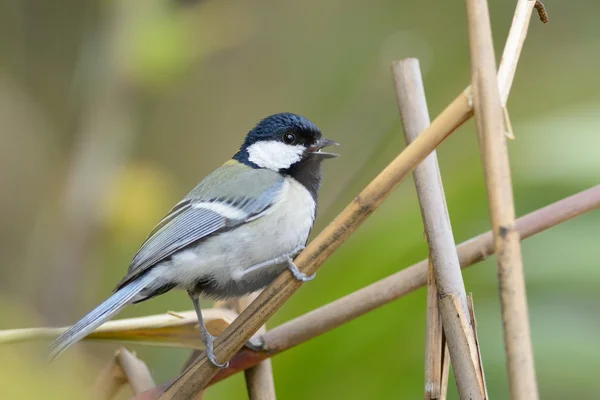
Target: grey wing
{"points": [[189, 222]]}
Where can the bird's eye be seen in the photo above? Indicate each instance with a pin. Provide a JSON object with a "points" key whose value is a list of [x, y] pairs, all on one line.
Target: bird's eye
{"points": [[289, 138]]}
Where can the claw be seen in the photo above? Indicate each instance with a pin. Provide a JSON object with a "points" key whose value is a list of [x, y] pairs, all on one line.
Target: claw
{"points": [[301, 276], [305, 278], [213, 360], [210, 354]]}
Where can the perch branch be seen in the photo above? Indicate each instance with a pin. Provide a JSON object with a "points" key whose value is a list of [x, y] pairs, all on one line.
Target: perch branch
{"points": [[412, 105], [490, 127], [369, 298]]}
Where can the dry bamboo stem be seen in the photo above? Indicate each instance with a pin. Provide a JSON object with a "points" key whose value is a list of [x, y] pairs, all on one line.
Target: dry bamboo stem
{"points": [[352, 306], [259, 379], [445, 370], [490, 126], [474, 323], [169, 329], [442, 249], [513, 46], [434, 340], [277, 293]]}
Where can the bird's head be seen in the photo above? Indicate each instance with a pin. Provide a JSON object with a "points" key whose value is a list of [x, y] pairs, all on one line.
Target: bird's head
{"points": [[284, 142]]}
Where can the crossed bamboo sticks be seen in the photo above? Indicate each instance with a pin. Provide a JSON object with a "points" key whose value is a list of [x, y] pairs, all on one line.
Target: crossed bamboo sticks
{"points": [[485, 100]]}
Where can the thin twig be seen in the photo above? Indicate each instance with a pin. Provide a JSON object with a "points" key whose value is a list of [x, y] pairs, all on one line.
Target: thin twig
{"points": [[412, 104], [173, 330], [490, 126], [369, 298], [512, 48]]}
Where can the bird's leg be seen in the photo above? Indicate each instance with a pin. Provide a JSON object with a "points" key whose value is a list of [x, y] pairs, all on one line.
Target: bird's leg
{"points": [[207, 338], [287, 259]]}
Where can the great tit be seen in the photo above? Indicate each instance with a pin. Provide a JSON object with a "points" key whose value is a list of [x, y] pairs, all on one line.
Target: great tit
{"points": [[232, 234]]}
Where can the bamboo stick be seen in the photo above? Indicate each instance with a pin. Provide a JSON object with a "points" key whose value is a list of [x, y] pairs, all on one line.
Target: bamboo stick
{"points": [[490, 126], [445, 370], [442, 249], [513, 46], [169, 329], [474, 323], [447, 278], [259, 378], [434, 340], [352, 306]]}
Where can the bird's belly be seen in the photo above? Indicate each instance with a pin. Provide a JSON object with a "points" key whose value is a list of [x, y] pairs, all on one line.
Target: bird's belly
{"points": [[216, 266]]}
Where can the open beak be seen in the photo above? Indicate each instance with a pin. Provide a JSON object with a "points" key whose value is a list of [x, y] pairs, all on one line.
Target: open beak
{"points": [[317, 148]]}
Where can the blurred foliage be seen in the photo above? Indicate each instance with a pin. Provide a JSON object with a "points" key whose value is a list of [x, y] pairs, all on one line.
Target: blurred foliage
{"points": [[201, 73]]}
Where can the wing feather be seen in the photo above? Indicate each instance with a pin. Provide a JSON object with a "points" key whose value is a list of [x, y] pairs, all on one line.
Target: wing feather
{"points": [[192, 220]]}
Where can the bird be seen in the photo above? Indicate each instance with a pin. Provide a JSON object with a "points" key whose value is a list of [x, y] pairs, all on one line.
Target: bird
{"points": [[234, 233]]}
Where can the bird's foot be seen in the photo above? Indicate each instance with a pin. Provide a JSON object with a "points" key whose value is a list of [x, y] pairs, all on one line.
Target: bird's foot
{"points": [[301, 276], [256, 343], [210, 354]]}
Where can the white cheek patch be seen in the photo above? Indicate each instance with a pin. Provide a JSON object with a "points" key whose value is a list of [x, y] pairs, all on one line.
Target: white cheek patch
{"points": [[274, 155]]}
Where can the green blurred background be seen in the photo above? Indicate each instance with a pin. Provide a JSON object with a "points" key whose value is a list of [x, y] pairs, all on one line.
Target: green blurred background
{"points": [[110, 111]]}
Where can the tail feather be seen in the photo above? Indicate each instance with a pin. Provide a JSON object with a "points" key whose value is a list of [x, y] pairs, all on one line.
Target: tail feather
{"points": [[105, 311]]}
